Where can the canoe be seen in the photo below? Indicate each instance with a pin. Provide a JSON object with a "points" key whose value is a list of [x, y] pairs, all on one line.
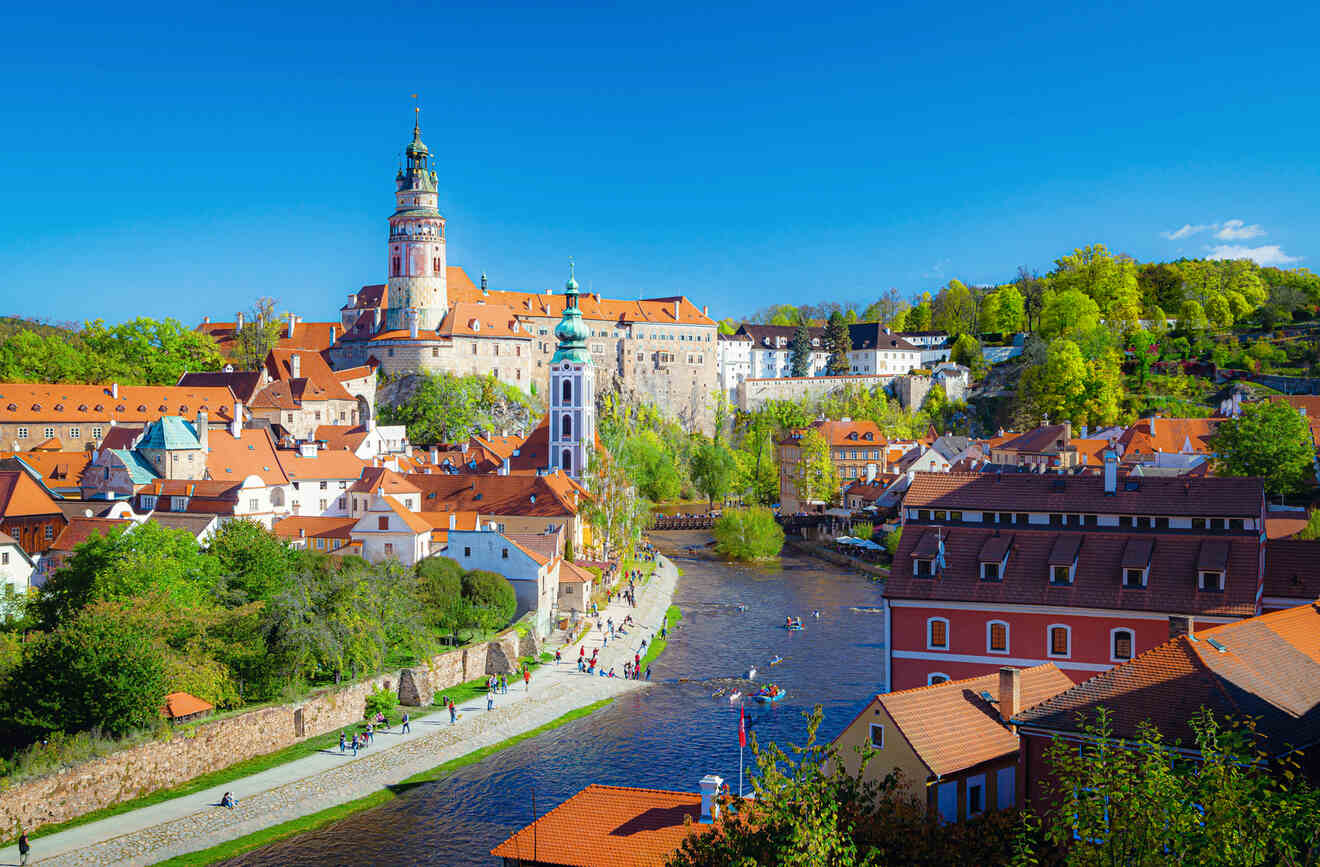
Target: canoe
{"points": [[769, 699], [777, 660]]}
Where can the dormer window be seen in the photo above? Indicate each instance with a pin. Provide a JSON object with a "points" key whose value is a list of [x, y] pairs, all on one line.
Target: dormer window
{"points": [[923, 568], [1136, 562], [1211, 565], [1134, 578], [1210, 582], [993, 559], [1063, 559]]}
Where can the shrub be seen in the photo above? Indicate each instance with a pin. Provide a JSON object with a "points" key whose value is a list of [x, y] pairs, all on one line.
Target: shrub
{"points": [[492, 595], [863, 529], [380, 700], [892, 538], [748, 534]]}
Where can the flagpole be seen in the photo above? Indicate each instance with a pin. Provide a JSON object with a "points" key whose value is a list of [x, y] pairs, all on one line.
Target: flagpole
{"points": [[740, 769]]}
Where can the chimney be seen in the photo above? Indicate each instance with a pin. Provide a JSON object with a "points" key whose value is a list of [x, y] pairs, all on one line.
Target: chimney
{"points": [[504, 467], [202, 427], [1180, 624], [206, 320], [1111, 473], [453, 521], [333, 334], [414, 324], [675, 311], [435, 455], [293, 320], [352, 300], [1067, 432], [238, 320], [295, 365], [710, 791], [236, 426], [1151, 420], [705, 310], [1010, 692], [484, 284], [114, 390]]}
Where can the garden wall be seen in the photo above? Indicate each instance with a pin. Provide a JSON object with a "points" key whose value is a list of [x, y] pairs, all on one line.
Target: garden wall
{"points": [[205, 747]]}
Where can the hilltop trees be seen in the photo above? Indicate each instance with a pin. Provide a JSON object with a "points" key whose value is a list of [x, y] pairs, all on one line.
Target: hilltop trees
{"points": [[800, 352], [839, 343], [142, 351]]}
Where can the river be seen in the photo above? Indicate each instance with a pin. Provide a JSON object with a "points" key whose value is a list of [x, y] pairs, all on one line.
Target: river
{"points": [[668, 736]]}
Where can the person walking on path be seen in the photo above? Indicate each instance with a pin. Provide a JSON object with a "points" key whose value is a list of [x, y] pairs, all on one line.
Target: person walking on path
{"points": [[371, 734], [406, 727], [453, 713], [559, 656], [341, 743], [23, 848], [355, 745], [490, 701], [527, 678], [648, 672]]}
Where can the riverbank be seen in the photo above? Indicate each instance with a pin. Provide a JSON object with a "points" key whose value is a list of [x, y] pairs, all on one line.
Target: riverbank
{"points": [[328, 779], [816, 549]]}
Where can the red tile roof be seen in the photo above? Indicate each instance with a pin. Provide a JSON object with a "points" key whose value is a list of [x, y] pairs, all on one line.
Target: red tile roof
{"points": [[1266, 667], [1292, 569], [178, 704], [321, 382], [20, 496], [340, 436], [466, 319], [497, 495], [306, 527], [1027, 492], [66, 403], [952, 728], [80, 529], [1101, 557], [614, 825], [252, 453], [57, 469], [327, 464], [383, 480], [1171, 435]]}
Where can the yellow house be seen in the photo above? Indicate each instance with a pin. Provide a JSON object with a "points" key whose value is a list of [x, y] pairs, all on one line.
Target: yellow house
{"points": [[951, 740]]}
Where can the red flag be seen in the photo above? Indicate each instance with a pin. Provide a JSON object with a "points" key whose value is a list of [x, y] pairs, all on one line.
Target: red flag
{"points": [[742, 726]]}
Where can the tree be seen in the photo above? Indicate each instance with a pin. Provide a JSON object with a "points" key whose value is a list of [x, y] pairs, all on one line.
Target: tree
{"points": [[1145, 350], [713, 468], [839, 343], [129, 562], [758, 463], [252, 560], [919, 315], [617, 515], [1032, 289], [492, 595], [750, 533], [104, 668], [884, 308], [966, 351], [442, 407], [258, 336], [652, 465], [1143, 802], [954, 309], [818, 479], [1270, 440], [1068, 386], [1193, 318], [150, 351], [800, 352], [1068, 314]]}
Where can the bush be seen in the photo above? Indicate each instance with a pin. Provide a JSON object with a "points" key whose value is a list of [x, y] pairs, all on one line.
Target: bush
{"points": [[748, 534], [863, 529], [892, 539], [492, 595], [381, 700]]}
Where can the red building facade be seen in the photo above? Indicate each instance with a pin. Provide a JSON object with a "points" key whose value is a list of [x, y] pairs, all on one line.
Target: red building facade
{"points": [[1081, 571]]}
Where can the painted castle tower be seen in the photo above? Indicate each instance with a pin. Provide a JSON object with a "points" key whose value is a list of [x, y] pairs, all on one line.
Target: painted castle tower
{"points": [[418, 295], [572, 390]]}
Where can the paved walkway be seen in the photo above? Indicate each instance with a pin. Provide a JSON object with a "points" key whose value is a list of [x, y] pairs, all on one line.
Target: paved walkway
{"points": [[327, 778]]}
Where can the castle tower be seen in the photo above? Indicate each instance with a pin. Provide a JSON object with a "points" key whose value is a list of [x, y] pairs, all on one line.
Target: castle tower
{"points": [[572, 390], [418, 293]]}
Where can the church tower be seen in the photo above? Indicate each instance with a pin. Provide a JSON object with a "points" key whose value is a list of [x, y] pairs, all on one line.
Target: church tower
{"points": [[572, 390], [418, 293]]}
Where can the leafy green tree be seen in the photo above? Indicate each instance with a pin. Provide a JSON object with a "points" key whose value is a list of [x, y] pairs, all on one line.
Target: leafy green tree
{"points": [[758, 461], [818, 479], [1069, 313], [103, 668], [800, 352], [129, 562], [727, 326], [954, 309], [1068, 386], [713, 470], [252, 560], [1145, 351], [652, 465], [259, 335], [1193, 317], [919, 316], [1311, 531], [884, 308], [892, 540], [966, 351], [1139, 802], [1270, 440], [839, 343], [148, 351], [445, 408], [750, 533], [492, 595]]}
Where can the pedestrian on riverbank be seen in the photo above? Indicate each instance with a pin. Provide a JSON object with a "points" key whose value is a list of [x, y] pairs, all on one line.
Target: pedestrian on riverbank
{"points": [[406, 727], [648, 672], [527, 679], [355, 746], [559, 657], [490, 701], [453, 712], [23, 848], [228, 801], [341, 743]]}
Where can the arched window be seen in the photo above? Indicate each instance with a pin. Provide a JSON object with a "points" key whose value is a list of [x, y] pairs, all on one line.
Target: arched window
{"points": [[566, 393], [566, 461], [1120, 645], [937, 633], [1059, 640], [996, 637], [566, 426]]}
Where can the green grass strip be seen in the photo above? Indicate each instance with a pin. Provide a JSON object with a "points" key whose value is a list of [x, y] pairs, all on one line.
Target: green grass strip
{"points": [[658, 644], [320, 819]]}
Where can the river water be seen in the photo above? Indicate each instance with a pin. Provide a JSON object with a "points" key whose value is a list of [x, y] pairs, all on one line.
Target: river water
{"points": [[668, 736]]}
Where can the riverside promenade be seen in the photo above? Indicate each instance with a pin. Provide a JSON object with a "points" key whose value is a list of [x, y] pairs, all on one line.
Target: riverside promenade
{"points": [[327, 778]]}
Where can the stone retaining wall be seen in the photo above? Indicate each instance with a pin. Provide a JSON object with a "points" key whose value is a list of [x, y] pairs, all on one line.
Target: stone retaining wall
{"points": [[199, 749]]}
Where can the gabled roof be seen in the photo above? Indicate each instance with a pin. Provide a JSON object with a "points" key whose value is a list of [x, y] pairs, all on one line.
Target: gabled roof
{"points": [[321, 382], [139, 471], [952, 727], [523, 495], [20, 496], [170, 432], [327, 464], [243, 383], [180, 704], [468, 319], [872, 335], [197, 524], [410, 520], [252, 453], [768, 336], [340, 436], [307, 527], [72, 403], [1170, 435], [383, 480], [614, 825], [1103, 553], [79, 530], [57, 469], [593, 306], [1241, 497], [546, 546], [1266, 667], [571, 573], [1049, 439]]}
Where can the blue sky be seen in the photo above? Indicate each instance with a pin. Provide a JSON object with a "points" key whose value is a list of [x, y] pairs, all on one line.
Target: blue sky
{"points": [[181, 160]]}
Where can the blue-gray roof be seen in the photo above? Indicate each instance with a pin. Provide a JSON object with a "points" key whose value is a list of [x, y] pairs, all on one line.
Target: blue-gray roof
{"points": [[139, 470], [170, 432]]}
